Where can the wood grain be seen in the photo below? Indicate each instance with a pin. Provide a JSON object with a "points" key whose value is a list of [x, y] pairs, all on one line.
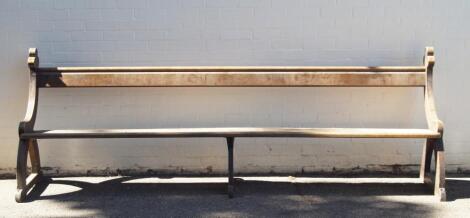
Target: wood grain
{"points": [[232, 79], [236, 132]]}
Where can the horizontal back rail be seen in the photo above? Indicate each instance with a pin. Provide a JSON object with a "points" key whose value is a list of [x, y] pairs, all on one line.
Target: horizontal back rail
{"points": [[246, 78], [237, 69]]}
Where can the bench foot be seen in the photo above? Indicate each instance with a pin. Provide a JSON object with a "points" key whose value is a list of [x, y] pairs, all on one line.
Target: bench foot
{"points": [[21, 193], [441, 194]]}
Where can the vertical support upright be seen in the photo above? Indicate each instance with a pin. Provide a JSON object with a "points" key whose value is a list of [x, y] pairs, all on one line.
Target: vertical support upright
{"points": [[24, 181], [231, 185], [434, 124], [440, 181]]}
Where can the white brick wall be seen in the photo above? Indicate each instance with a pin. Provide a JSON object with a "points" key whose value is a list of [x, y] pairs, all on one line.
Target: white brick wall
{"points": [[234, 32]]}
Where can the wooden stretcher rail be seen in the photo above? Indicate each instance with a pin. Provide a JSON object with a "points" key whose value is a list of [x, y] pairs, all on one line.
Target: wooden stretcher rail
{"points": [[236, 132], [228, 79]]}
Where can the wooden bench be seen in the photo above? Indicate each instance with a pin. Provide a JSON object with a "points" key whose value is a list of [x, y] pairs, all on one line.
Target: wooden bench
{"points": [[396, 76]]}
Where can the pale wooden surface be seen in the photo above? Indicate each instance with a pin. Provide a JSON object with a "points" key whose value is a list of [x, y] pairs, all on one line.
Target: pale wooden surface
{"points": [[239, 79], [237, 132], [434, 124]]}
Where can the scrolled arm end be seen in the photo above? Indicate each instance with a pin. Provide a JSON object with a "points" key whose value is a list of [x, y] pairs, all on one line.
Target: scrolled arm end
{"points": [[429, 58], [33, 59], [429, 51]]}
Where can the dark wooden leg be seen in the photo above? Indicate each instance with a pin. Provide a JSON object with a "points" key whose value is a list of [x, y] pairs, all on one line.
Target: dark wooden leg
{"points": [[231, 185], [21, 171], [439, 182], [25, 182], [34, 157], [425, 170]]}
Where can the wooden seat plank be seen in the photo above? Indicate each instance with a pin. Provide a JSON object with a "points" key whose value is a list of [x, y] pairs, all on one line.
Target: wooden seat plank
{"points": [[236, 132]]}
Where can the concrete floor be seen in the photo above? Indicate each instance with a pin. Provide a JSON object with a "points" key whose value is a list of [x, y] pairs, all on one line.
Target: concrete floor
{"points": [[255, 197]]}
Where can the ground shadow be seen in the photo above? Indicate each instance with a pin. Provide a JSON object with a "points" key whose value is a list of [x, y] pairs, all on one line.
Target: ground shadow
{"points": [[457, 189], [117, 197]]}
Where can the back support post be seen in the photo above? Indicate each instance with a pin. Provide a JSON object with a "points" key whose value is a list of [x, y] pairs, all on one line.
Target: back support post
{"points": [[25, 182], [435, 124]]}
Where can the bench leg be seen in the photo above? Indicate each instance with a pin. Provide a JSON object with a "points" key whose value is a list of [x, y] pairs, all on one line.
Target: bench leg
{"points": [[231, 185], [439, 182], [425, 170], [33, 150], [24, 181]]}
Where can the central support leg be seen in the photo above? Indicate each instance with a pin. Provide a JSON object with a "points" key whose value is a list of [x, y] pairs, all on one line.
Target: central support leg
{"points": [[231, 185]]}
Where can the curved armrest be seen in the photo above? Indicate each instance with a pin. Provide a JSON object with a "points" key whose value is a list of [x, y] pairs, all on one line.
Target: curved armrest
{"points": [[434, 123], [28, 122]]}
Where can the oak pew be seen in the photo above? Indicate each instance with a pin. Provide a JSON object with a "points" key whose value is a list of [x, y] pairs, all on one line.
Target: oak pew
{"points": [[259, 76]]}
